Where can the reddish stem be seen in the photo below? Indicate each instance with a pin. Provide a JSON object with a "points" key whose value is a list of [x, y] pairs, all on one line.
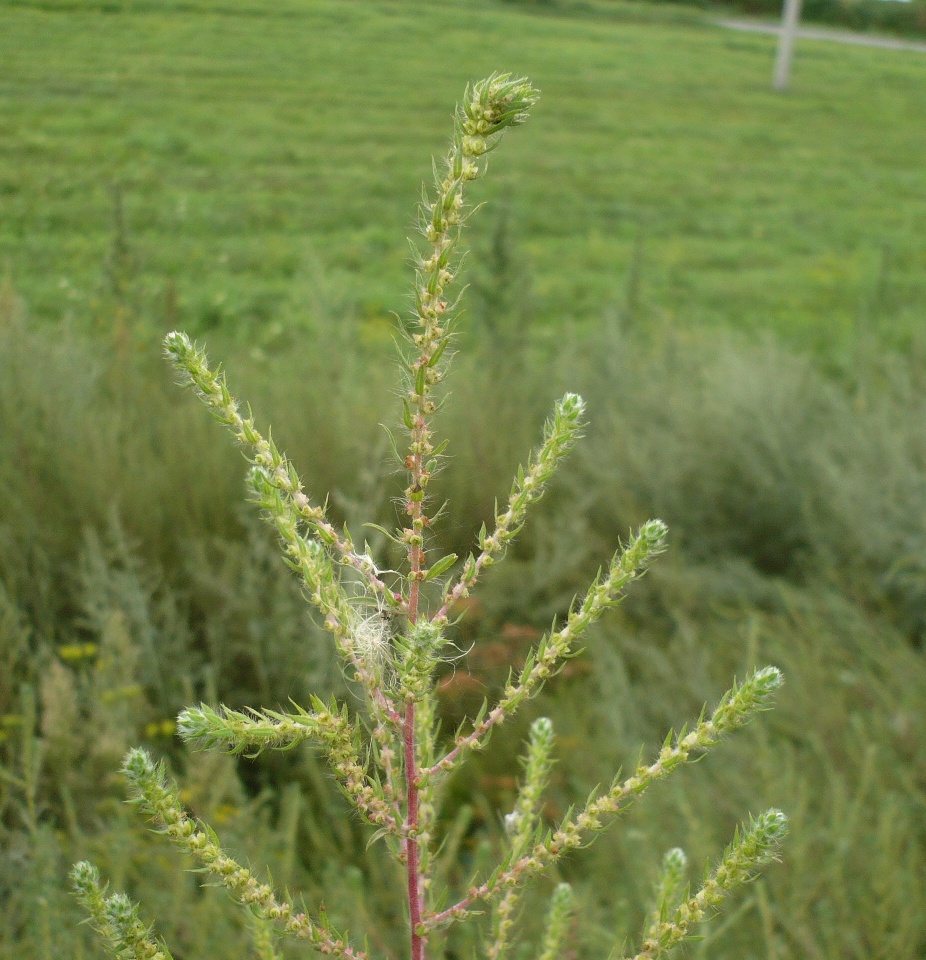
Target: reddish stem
{"points": [[411, 849], [413, 863], [495, 716]]}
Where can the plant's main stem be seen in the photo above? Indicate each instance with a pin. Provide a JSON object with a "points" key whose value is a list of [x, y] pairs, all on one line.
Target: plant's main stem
{"points": [[411, 823], [416, 558]]}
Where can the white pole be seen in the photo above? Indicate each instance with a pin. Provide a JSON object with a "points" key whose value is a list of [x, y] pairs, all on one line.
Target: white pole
{"points": [[789, 21]]}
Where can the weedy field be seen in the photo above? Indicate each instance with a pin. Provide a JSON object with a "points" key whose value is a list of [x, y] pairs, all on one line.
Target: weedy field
{"points": [[733, 280]]}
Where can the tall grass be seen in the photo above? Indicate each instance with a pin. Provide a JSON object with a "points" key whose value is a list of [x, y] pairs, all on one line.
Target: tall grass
{"points": [[801, 537]]}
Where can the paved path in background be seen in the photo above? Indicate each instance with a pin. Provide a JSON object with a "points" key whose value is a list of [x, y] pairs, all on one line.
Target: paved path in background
{"points": [[821, 33]]}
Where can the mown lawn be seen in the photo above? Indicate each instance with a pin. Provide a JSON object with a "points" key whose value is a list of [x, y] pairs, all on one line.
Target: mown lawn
{"points": [[268, 155]]}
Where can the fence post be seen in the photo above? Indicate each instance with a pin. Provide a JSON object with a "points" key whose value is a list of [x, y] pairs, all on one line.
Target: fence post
{"points": [[790, 18]]}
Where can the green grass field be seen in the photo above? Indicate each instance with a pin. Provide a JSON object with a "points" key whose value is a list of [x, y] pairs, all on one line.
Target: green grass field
{"points": [[264, 154]]}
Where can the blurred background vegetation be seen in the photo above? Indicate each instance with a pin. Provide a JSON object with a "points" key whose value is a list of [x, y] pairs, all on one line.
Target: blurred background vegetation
{"points": [[735, 281], [905, 17]]}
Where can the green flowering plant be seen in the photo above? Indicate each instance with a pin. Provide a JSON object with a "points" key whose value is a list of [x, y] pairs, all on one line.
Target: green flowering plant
{"points": [[393, 631]]}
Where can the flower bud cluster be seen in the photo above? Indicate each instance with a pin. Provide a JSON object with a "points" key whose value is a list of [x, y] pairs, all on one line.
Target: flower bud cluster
{"points": [[255, 731], [487, 109], [426, 728], [275, 486], [263, 936], [158, 798], [671, 885], [115, 917], [418, 652], [753, 846], [537, 766], [306, 555], [738, 706], [522, 826], [558, 645], [560, 434], [562, 905], [271, 473], [627, 565]]}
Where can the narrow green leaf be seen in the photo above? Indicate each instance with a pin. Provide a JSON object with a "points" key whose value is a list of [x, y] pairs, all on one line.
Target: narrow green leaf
{"points": [[439, 352], [442, 565], [384, 531]]}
